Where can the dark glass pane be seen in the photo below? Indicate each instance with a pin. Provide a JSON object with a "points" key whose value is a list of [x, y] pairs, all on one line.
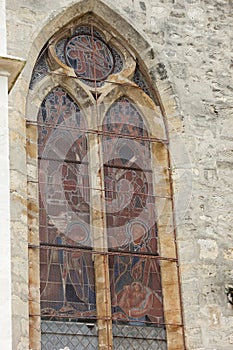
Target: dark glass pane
{"points": [[40, 70], [139, 79], [72, 335]]}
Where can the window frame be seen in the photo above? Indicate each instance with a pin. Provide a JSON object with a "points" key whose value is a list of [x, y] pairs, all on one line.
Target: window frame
{"points": [[166, 227]]}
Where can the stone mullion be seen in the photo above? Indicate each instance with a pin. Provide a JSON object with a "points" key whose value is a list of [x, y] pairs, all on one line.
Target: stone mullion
{"points": [[102, 283], [167, 250]]}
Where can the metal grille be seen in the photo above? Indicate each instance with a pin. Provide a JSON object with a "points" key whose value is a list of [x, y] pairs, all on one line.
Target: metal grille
{"points": [[75, 336], [140, 338], [79, 336]]}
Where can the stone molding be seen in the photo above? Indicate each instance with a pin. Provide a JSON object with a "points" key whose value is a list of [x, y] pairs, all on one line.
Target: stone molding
{"points": [[11, 66]]}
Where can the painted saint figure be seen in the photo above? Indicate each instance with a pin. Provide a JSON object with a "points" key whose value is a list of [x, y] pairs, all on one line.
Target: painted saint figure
{"points": [[136, 288]]}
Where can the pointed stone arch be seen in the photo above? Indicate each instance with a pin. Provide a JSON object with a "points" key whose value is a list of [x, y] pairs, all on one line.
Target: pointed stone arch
{"points": [[128, 34], [166, 109]]}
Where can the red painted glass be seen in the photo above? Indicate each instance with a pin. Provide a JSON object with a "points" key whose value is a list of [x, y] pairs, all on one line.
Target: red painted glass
{"points": [[89, 56], [130, 216], [67, 273]]}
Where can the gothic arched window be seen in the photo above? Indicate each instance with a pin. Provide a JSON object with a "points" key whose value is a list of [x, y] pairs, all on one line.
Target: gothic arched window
{"points": [[104, 198]]}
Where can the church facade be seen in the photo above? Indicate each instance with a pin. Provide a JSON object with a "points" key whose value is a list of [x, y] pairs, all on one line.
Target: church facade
{"points": [[116, 161]]}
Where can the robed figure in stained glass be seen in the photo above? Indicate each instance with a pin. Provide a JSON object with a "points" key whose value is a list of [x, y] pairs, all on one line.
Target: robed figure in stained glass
{"points": [[131, 219], [67, 273]]}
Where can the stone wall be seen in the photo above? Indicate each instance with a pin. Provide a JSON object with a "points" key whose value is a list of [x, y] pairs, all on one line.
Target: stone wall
{"points": [[191, 41]]}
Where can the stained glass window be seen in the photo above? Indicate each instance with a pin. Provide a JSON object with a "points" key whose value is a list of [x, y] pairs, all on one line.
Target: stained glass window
{"points": [[139, 79], [130, 215], [90, 57], [41, 69], [66, 268], [123, 294]]}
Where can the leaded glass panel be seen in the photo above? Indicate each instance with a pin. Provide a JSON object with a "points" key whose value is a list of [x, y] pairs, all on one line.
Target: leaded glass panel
{"points": [[67, 273], [90, 57], [75, 336], [41, 69], [139, 79], [138, 337], [130, 217]]}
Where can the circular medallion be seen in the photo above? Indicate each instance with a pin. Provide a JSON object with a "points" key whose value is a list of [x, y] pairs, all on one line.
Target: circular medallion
{"points": [[77, 233], [89, 57]]}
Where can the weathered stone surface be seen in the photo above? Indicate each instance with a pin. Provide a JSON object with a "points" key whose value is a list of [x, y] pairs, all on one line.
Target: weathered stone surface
{"points": [[191, 42]]}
